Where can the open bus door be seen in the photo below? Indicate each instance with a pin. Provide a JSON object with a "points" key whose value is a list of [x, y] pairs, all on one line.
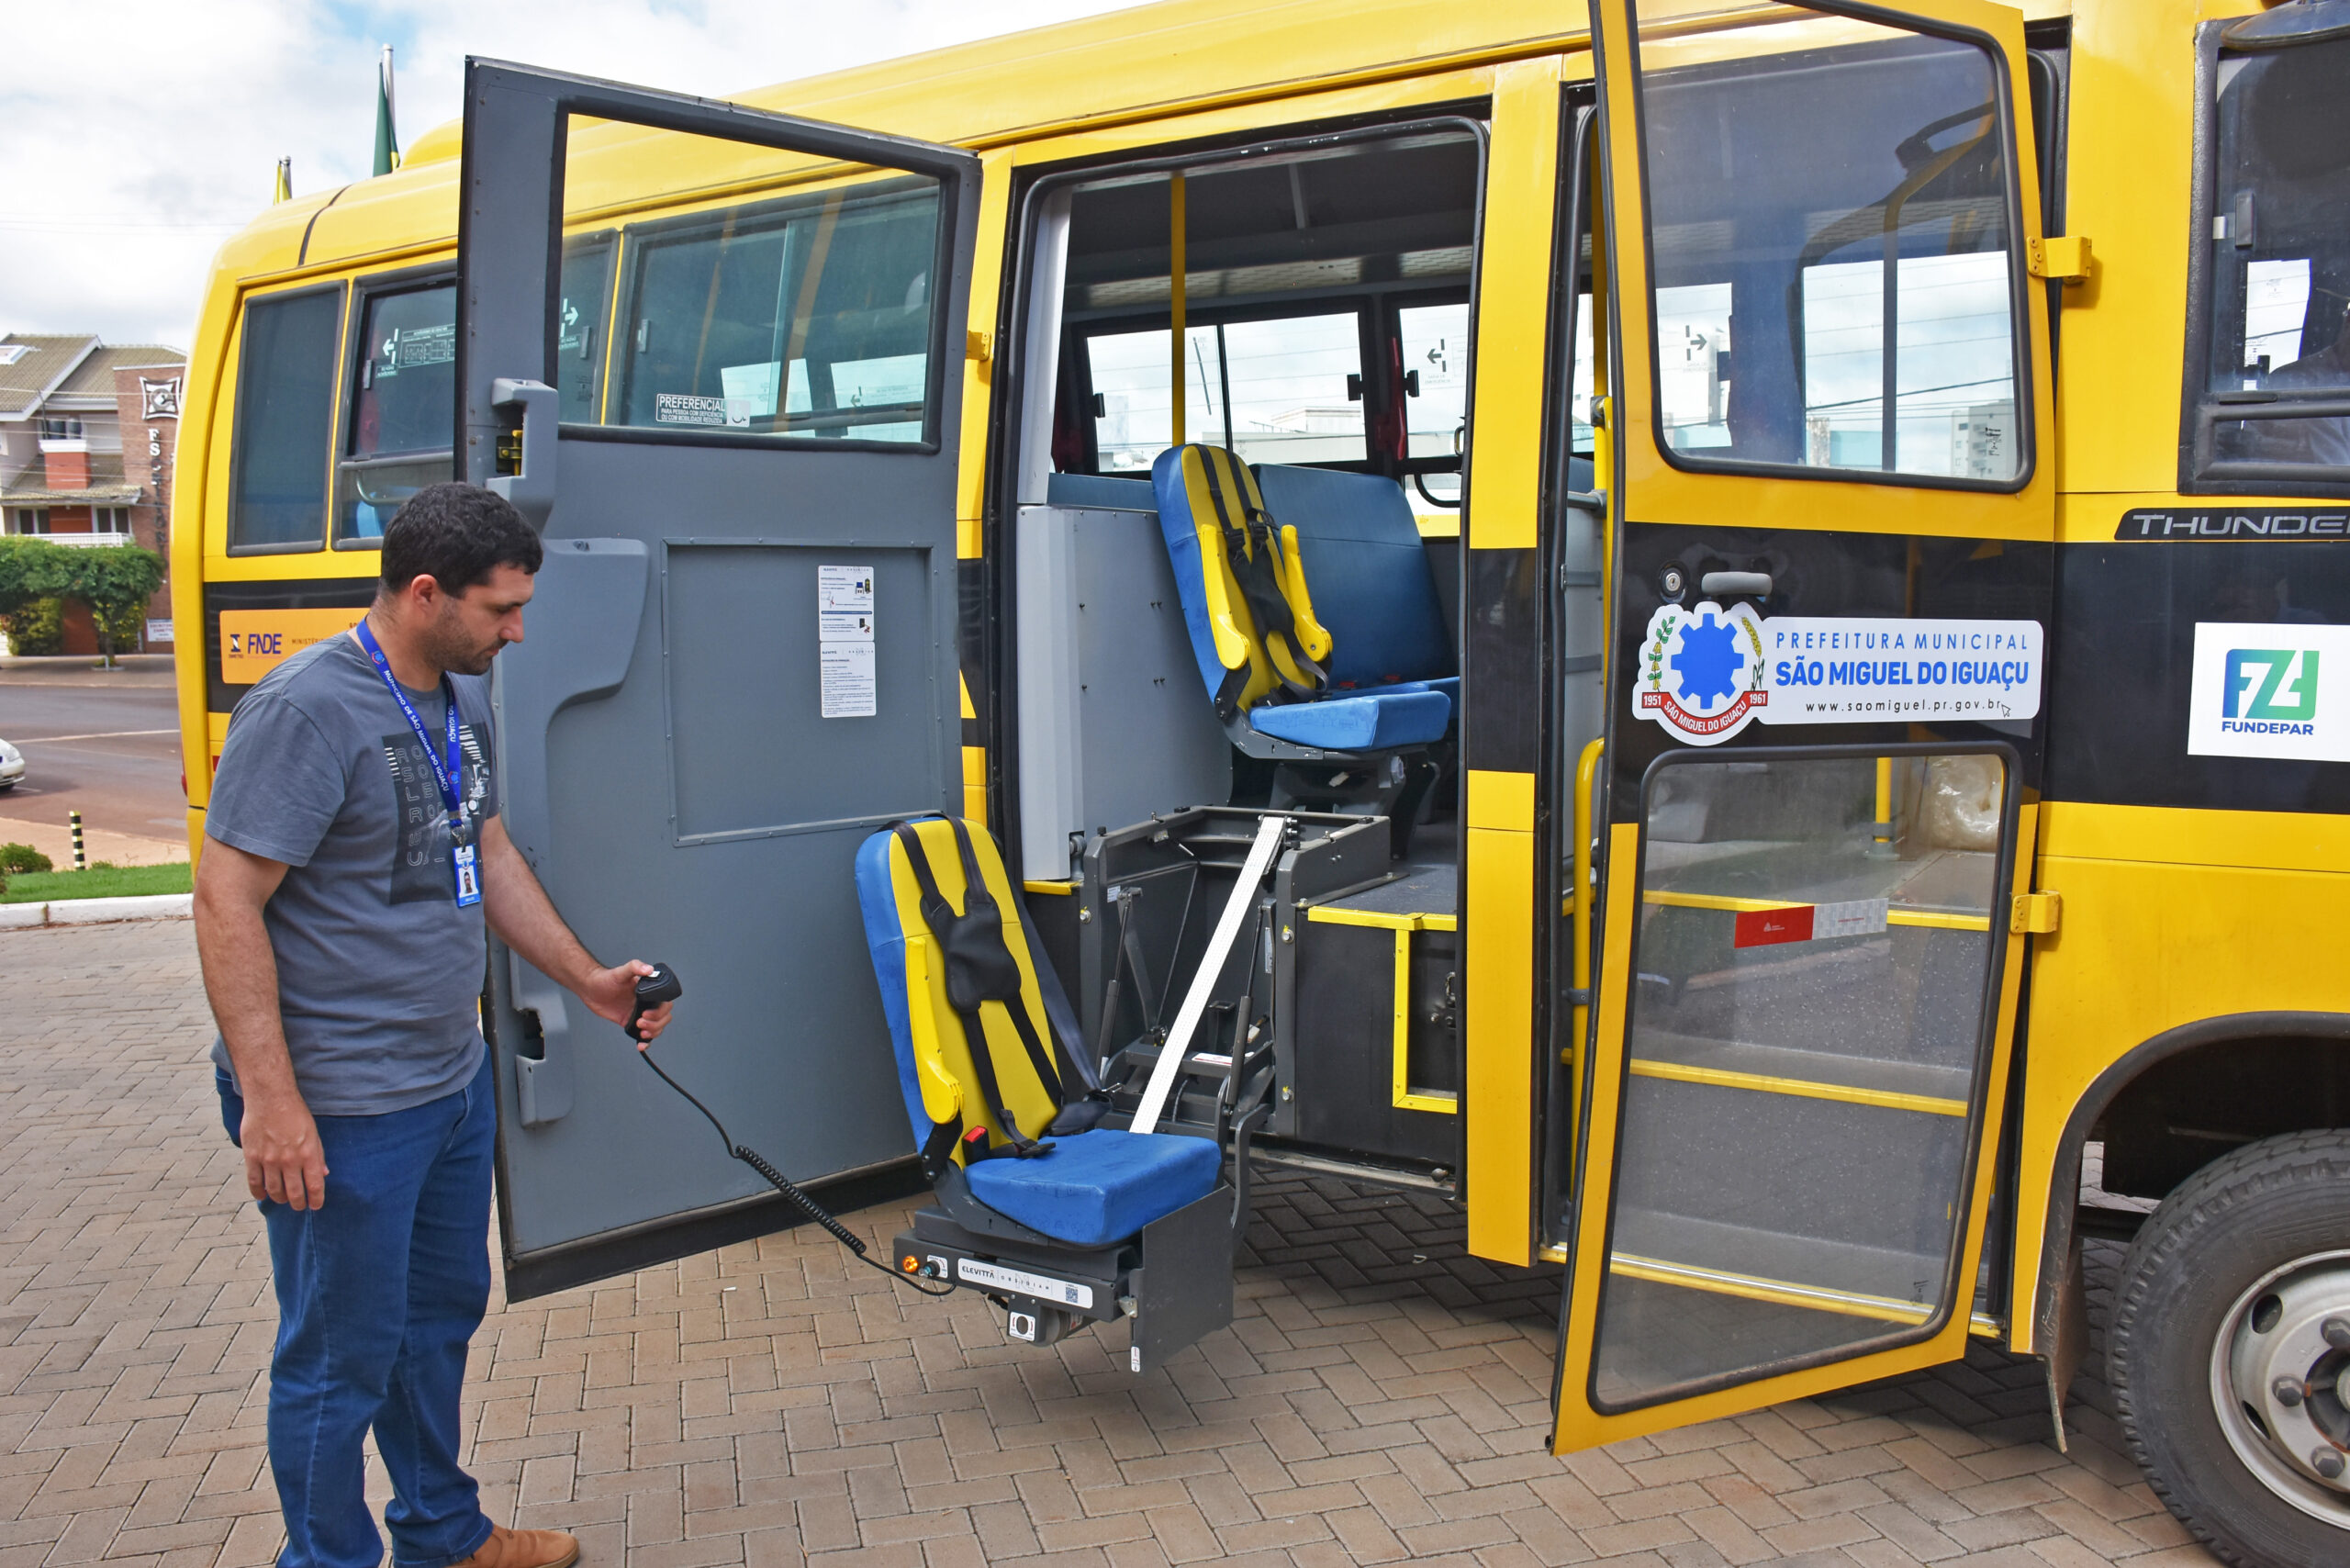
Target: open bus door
{"points": [[741, 654], [1833, 504]]}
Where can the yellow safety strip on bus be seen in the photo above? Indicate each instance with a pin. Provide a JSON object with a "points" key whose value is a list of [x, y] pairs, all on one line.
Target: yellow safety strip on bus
{"points": [[1058, 889], [1402, 1095], [1405, 1097], [1756, 1287], [1325, 915], [1811, 1089], [1895, 916], [1982, 1324]]}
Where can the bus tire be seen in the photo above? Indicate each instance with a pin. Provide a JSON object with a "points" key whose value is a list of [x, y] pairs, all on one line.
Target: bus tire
{"points": [[2228, 1353]]}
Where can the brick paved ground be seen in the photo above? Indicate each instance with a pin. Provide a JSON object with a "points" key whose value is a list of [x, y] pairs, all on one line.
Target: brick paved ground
{"points": [[762, 1404]]}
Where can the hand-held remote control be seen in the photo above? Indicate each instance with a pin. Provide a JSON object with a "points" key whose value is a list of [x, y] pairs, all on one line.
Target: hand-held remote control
{"points": [[662, 985]]}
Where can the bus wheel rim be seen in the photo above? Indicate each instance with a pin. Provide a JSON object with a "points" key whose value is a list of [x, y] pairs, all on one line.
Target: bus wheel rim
{"points": [[2280, 1382]]}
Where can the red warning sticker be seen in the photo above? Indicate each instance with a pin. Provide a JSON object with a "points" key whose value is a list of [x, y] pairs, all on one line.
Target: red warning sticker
{"points": [[1808, 922], [1762, 927]]}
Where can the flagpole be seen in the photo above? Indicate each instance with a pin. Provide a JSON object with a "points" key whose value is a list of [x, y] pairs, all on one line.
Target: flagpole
{"points": [[387, 140]]}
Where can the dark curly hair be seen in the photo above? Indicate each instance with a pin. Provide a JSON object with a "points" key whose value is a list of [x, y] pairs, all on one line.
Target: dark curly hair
{"points": [[456, 534]]}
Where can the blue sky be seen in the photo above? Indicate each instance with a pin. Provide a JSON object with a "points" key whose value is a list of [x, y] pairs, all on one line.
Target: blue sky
{"points": [[138, 134]]}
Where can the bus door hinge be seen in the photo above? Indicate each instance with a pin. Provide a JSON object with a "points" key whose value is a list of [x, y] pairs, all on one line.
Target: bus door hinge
{"points": [[979, 348], [2036, 914], [2064, 259]]}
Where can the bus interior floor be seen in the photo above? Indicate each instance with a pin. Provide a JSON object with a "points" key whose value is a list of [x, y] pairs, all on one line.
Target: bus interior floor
{"points": [[1380, 1395], [1425, 881]]}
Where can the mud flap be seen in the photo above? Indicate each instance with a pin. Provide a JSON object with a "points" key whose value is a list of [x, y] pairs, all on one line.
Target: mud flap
{"points": [[2063, 1363]]}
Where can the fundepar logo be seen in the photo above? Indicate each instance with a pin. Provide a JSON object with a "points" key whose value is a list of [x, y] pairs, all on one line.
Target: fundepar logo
{"points": [[2260, 689], [2281, 706]]}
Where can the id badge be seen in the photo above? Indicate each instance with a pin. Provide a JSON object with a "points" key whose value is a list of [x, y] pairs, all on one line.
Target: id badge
{"points": [[469, 875]]}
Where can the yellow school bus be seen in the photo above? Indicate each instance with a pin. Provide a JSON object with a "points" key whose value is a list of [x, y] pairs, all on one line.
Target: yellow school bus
{"points": [[1878, 477]]}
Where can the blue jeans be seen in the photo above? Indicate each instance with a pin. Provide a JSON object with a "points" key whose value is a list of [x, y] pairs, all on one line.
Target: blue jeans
{"points": [[378, 1292]]}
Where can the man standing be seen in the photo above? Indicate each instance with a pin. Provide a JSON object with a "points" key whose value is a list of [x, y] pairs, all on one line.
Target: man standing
{"points": [[355, 852]]}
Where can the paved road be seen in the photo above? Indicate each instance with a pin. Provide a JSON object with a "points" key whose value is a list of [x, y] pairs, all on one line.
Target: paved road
{"points": [[766, 1404], [121, 763]]}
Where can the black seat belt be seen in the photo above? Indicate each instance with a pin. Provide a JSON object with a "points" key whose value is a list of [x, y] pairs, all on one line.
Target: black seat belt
{"points": [[979, 969], [1252, 556]]}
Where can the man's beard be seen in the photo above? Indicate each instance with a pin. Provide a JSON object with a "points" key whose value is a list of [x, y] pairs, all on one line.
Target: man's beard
{"points": [[449, 647]]}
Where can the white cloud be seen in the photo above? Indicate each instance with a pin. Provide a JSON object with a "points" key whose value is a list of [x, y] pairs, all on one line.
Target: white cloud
{"points": [[138, 134]]}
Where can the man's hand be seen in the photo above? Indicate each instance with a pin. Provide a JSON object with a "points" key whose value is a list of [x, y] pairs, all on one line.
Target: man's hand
{"points": [[612, 993], [283, 1161]]}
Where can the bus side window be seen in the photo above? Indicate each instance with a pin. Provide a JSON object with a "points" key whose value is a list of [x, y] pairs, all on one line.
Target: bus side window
{"points": [[284, 422], [580, 315], [805, 318], [395, 438]]}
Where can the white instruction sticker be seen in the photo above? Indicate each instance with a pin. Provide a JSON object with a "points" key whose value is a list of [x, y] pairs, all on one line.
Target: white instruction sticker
{"points": [[845, 671], [845, 642], [971, 1271], [842, 589]]}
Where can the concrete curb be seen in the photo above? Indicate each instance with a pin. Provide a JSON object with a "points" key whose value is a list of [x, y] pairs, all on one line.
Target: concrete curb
{"points": [[95, 911]]}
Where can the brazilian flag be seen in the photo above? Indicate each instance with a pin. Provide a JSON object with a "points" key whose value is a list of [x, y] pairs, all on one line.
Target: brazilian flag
{"points": [[387, 140]]}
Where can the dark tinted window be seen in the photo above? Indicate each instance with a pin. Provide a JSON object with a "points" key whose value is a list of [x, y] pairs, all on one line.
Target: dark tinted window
{"points": [[284, 422], [403, 408], [2279, 268], [579, 327]]}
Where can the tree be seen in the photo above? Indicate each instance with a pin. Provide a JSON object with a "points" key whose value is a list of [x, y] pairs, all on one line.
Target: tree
{"points": [[115, 581]]}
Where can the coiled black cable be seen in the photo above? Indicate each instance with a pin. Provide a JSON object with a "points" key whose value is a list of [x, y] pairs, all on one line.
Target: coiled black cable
{"points": [[784, 1184]]}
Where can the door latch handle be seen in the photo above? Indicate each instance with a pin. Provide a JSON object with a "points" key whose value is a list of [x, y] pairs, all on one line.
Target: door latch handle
{"points": [[1735, 585], [532, 485]]}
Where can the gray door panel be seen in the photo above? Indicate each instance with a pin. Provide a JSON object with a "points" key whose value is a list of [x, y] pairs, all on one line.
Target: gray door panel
{"points": [[672, 767]]}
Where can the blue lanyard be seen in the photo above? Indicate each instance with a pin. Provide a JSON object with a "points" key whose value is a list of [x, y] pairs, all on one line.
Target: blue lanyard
{"points": [[445, 776]]}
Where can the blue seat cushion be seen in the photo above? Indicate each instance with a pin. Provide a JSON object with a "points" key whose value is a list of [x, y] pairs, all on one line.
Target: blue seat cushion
{"points": [[1364, 722], [1368, 571], [1099, 1186]]}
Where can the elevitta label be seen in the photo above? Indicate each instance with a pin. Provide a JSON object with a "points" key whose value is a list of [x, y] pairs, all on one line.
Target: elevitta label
{"points": [[1705, 673]]}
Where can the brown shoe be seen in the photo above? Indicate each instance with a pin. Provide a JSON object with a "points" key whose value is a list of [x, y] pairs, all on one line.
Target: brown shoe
{"points": [[524, 1548]]}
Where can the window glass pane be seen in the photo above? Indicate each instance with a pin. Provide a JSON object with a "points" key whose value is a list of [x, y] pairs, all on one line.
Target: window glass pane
{"points": [[1132, 420], [580, 316], [285, 421], [1833, 286], [407, 397], [1435, 340], [1288, 385], [805, 318], [403, 408], [1805, 1046], [2280, 253]]}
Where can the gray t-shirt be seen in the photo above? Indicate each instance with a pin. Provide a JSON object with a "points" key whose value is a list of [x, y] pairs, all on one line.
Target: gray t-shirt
{"points": [[379, 972]]}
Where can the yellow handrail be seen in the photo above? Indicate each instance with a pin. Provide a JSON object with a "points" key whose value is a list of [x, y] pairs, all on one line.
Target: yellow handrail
{"points": [[1586, 776]]}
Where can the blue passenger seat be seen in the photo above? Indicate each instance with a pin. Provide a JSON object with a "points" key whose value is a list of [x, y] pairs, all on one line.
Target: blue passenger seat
{"points": [[1388, 680], [985, 1115]]}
